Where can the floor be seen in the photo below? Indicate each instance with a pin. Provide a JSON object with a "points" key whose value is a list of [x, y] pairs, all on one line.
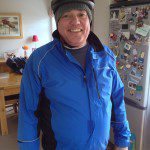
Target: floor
{"points": [[9, 142]]}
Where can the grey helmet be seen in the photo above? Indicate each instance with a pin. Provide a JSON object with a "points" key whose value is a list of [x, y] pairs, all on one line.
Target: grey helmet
{"points": [[56, 3]]}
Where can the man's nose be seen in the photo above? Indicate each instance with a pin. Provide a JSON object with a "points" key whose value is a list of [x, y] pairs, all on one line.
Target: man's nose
{"points": [[75, 19]]}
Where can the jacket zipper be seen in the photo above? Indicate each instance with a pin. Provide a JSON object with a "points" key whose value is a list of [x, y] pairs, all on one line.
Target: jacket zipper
{"points": [[90, 122], [96, 83], [84, 78]]}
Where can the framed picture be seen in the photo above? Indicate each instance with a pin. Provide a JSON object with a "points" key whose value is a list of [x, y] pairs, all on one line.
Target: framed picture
{"points": [[10, 26]]}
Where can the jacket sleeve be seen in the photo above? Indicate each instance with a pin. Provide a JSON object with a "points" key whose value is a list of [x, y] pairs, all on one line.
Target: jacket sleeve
{"points": [[119, 120], [29, 96]]}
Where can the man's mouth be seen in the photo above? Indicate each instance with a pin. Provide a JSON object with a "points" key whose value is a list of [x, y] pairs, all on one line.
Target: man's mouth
{"points": [[75, 30]]}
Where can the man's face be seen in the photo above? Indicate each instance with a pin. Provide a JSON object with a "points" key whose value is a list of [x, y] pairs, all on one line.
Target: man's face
{"points": [[74, 27]]}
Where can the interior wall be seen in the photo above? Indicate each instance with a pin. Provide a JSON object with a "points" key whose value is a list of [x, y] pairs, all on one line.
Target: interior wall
{"points": [[35, 21], [101, 20]]}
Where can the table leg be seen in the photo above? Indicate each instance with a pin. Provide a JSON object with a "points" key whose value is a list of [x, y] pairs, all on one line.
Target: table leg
{"points": [[3, 118]]}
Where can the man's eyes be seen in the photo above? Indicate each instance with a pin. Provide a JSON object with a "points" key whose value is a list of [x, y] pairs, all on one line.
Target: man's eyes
{"points": [[70, 16], [82, 15], [65, 16]]}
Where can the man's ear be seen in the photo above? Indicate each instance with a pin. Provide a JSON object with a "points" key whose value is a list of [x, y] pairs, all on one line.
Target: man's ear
{"points": [[91, 26]]}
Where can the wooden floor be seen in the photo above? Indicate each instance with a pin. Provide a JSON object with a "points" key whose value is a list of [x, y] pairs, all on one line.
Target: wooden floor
{"points": [[9, 142]]}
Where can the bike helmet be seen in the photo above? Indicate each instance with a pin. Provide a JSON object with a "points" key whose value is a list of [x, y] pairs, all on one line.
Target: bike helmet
{"points": [[55, 4]]}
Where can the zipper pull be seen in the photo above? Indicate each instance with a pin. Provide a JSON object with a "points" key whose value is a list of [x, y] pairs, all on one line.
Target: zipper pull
{"points": [[98, 95], [84, 78]]}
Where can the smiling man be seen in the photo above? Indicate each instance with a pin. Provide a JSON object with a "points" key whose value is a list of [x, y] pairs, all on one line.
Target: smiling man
{"points": [[71, 89], [74, 27]]}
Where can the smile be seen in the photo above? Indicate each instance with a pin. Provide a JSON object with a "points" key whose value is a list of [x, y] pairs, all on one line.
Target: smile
{"points": [[75, 30]]}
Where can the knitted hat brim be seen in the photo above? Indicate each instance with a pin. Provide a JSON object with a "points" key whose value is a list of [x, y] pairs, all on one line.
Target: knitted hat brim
{"points": [[72, 6]]}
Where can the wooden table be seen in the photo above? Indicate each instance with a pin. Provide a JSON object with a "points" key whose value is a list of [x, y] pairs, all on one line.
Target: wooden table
{"points": [[8, 86], [4, 67]]}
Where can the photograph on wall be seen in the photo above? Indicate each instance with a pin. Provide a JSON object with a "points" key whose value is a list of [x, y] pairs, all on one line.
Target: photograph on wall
{"points": [[10, 26]]}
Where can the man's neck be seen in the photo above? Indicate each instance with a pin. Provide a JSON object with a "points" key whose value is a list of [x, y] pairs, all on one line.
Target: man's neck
{"points": [[74, 47]]}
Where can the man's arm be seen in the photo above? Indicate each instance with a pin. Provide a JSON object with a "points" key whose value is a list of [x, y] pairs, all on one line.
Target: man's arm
{"points": [[29, 96], [119, 120]]}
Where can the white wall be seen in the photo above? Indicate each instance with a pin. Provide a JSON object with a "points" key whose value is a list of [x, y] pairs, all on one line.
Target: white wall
{"points": [[101, 20], [35, 20]]}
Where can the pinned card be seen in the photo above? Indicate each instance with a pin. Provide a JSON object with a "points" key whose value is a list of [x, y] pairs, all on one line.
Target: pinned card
{"points": [[122, 15], [122, 56], [135, 52], [114, 26], [125, 56], [139, 88], [114, 14], [139, 75], [127, 10], [143, 30], [130, 20], [132, 85], [121, 67], [125, 26], [132, 92], [134, 79], [128, 66], [132, 27], [140, 67], [113, 36], [126, 34], [141, 60], [138, 96], [133, 71], [127, 46], [142, 54]]}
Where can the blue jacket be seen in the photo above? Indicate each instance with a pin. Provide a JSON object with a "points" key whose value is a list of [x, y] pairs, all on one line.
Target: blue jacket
{"points": [[84, 104]]}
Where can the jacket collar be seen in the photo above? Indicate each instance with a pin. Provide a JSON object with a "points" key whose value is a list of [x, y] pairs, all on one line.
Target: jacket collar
{"points": [[92, 40]]}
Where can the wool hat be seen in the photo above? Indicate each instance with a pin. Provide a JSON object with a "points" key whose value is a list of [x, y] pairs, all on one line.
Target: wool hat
{"points": [[59, 7]]}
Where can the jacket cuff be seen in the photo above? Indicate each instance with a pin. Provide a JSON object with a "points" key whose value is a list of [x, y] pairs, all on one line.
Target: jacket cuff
{"points": [[122, 143], [34, 145]]}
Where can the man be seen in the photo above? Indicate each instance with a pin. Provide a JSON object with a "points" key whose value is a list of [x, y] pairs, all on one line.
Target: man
{"points": [[71, 89]]}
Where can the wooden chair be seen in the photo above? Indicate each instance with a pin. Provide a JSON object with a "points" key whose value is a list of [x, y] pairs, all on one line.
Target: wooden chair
{"points": [[11, 103]]}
